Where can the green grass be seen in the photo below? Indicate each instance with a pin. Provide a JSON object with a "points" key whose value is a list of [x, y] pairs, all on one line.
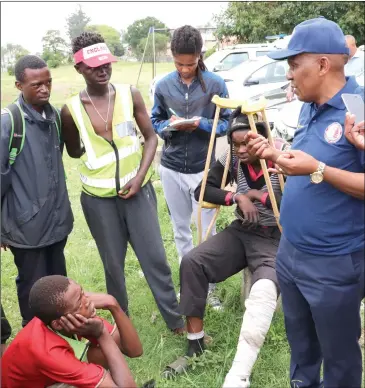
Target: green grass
{"points": [[84, 265]]}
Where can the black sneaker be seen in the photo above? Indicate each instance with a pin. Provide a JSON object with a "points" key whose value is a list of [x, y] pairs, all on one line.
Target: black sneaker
{"points": [[196, 347]]}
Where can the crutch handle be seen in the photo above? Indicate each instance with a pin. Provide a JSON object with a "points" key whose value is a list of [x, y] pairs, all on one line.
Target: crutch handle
{"points": [[247, 106], [208, 205]]}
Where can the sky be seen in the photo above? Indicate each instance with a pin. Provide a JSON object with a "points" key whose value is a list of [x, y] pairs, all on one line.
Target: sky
{"points": [[25, 23]]}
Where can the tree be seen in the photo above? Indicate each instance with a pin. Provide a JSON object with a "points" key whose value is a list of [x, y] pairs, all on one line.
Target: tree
{"points": [[76, 23], [53, 42], [252, 21], [55, 48], [160, 47], [10, 54], [139, 30], [111, 36]]}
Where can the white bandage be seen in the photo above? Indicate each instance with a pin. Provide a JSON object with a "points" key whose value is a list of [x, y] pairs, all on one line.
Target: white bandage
{"points": [[260, 308]]}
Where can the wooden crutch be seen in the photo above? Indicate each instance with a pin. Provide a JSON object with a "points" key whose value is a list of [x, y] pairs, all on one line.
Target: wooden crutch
{"points": [[249, 109], [220, 103]]}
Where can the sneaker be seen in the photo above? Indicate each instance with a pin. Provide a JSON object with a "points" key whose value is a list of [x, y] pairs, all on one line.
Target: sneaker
{"points": [[214, 302], [196, 347]]}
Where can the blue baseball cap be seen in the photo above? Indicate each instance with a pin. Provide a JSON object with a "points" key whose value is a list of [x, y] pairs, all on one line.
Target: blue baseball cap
{"points": [[319, 36]]}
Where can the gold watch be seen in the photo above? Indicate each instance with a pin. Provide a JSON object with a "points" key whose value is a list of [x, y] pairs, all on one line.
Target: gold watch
{"points": [[317, 176]]}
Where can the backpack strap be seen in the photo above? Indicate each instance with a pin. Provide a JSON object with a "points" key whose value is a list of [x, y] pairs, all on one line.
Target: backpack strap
{"points": [[58, 121], [17, 134]]}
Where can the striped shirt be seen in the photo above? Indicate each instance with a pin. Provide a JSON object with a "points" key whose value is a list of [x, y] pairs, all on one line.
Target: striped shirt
{"points": [[266, 215]]}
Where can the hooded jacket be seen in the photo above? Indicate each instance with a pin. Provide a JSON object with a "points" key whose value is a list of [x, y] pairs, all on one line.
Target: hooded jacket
{"points": [[35, 207]]}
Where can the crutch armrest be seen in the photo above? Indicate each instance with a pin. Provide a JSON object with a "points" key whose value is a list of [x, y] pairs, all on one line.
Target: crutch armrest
{"points": [[254, 107], [208, 205], [247, 106]]}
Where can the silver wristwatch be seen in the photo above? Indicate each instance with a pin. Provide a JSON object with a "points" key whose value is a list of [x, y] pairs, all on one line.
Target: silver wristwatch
{"points": [[317, 176]]}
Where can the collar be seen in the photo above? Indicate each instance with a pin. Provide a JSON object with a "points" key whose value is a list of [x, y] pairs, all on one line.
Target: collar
{"points": [[178, 76], [356, 55], [336, 101], [31, 114], [256, 175]]}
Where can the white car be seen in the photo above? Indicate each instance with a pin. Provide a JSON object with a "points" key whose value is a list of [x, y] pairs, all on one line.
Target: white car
{"points": [[230, 57], [226, 59], [256, 77], [287, 116]]}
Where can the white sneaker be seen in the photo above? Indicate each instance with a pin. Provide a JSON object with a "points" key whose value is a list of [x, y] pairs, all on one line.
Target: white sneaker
{"points": [[214, 302], [234, 381]]}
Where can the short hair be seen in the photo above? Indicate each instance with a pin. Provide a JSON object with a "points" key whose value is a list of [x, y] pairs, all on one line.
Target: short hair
{"points": [[86, 39], [46, 300], [27, 62], [188, 40], [351, 39]]}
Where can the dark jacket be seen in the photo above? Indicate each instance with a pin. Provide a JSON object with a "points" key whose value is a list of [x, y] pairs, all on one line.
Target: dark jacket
{"points": [[182, 151], [35, 208]]}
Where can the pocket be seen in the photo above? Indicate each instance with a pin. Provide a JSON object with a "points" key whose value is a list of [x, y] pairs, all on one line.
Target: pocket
{"points": [[31, 211], [357, 261]]}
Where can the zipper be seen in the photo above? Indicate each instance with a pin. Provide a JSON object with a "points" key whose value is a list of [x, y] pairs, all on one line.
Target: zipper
{"points": [[185, 134], [117, 179]]}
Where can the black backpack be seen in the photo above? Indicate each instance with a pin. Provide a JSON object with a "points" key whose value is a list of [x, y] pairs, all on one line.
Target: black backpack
{"points": [[17, 134]]}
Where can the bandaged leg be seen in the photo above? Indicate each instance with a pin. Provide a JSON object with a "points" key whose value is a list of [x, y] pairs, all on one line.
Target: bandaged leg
{"points": [[260, 308]]}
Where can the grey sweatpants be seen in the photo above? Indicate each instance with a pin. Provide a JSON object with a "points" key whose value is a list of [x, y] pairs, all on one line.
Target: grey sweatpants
{"points": [[114, 222], [179, 193]]}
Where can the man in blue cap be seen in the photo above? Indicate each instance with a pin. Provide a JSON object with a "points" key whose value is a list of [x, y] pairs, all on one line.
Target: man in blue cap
{"points": [[320, 260]]}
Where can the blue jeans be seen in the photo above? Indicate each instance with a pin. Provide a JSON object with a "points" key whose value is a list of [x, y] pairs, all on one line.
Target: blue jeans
{"points": [[321, 298]]}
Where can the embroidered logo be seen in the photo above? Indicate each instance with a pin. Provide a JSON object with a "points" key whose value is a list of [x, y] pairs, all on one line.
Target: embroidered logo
{"points": [[333, 133]]}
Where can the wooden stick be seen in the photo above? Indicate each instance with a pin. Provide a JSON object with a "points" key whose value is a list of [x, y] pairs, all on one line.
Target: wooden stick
{"points": [[206, 170], [271, 142], [266, 176]]}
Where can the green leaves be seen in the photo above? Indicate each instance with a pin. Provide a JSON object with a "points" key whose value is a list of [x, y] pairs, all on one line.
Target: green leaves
{"points": [[252, 21]]}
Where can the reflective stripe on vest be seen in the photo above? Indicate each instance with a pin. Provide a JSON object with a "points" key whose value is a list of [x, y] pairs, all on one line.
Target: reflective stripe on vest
{"points": [[93, 162], [107, 183]]}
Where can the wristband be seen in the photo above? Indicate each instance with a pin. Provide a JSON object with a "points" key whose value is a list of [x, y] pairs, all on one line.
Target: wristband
{"points": [[234, 198], [228, 199]]}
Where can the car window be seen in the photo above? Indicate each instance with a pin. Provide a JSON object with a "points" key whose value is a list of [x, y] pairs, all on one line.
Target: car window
{"points": [[233, 60], [277, 73], [271, 73], [259, 75]]}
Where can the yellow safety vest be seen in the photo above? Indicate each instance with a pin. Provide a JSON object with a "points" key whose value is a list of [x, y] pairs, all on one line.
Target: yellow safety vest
{"points": [[108, 166]]}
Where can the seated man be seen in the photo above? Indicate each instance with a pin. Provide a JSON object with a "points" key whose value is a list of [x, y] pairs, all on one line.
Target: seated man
{"points": [[50, 349], [250, 241]]}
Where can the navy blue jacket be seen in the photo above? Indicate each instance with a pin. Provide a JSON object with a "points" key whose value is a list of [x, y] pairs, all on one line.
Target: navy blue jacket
{"points": [[35, 207], [186, 152]]}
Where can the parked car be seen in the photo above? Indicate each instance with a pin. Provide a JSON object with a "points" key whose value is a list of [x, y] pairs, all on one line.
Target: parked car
{"points": [[256, 77], [226, 59], [230, 57], [285, 116]]}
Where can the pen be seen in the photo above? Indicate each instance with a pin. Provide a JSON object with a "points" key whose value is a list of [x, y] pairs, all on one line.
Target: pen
{"points": [[173, 112]]}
